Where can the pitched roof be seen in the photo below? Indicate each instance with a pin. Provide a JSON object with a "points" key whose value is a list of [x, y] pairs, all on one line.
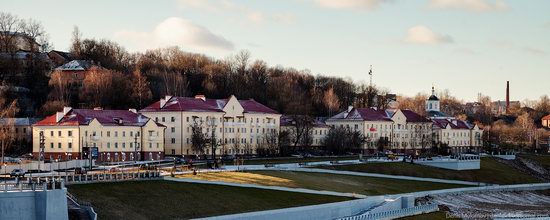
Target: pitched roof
{"points": [[75, 65], [105, 117], [458, 124], [287, 120], [413, 116], [365, 114], [546, 117], [191, 104], [18, 121]]}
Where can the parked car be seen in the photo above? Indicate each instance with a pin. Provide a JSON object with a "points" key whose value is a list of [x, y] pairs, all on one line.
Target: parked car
{"points": [[17, 173]]}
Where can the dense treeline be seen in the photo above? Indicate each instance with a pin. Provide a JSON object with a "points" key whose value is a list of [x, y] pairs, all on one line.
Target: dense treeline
{"points": [[171, 71]]}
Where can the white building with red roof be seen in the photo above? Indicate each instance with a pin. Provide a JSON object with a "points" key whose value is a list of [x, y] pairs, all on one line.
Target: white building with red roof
{"points": [[392, 129], [110, 135], [459, 135], [312, 135], [546, 121], [240, 126]]}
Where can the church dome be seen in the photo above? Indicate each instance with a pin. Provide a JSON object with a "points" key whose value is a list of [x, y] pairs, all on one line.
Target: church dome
{"points": [[433, 98]]}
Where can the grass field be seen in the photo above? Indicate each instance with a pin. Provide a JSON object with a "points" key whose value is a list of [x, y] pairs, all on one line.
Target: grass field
{"points": [[491, 171], [297, 160], [322, 181], [171, 200]]}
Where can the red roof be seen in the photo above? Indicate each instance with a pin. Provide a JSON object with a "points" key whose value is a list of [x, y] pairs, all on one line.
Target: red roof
{"points": [[413, 116], [546, 117], [106, 117], [442, 123], [192, 104]]}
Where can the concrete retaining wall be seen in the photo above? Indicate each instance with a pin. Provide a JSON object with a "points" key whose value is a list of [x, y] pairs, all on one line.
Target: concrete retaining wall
{"points": [[452, 164], [34, 205]]}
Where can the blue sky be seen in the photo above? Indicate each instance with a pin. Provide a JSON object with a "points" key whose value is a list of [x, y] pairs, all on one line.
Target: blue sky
{"points": [[465, 46]]}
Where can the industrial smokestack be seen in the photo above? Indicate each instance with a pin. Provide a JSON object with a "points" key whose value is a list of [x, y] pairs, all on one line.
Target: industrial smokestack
{"points": [[507, 97]]}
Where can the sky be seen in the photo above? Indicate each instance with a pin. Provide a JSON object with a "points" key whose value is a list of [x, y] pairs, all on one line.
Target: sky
{"points": [[464, 46]]}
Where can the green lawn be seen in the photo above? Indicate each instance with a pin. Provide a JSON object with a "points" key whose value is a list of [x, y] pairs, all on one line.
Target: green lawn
{"points": [[172, 200], [323, 181], [491, 171], [297, 160]]}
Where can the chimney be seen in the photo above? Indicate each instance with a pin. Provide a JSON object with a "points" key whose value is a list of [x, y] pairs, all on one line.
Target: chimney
{"points": [[346, 113], [507, 97], [163, 101], [66, 110], [200, 97], [59, 116]]}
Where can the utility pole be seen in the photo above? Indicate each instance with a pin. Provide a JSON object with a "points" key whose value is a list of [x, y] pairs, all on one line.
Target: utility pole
{"points": [[41, 149], [135, 146]]}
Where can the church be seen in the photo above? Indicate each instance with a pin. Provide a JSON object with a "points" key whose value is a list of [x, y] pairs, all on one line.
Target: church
{"points": [[459, 135]]}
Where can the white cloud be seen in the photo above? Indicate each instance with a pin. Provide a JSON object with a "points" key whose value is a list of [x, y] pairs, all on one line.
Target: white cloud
{"points": [[350, 4], [423, 35], [175, 31], [470, 5]]}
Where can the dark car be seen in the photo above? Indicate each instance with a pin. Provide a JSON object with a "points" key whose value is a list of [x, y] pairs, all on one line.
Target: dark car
{"points": [[17, 173]]}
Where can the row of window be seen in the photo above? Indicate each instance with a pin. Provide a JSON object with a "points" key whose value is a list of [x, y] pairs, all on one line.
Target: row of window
{"points": [[209, 119]]}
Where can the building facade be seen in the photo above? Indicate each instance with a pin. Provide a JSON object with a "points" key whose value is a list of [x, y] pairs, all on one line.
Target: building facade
{"points": [[312, 135], [393, 130], [238, 126], [546, 121], [459, 135], [108, 135]]}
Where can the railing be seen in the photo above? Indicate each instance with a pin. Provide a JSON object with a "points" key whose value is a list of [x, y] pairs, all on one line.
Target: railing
{"points": [[396, 213], [83, 205], [108, 177], [40, 185]]}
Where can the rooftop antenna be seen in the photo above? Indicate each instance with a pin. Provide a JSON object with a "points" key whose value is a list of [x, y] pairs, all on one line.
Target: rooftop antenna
{"points": [[370, 75]]}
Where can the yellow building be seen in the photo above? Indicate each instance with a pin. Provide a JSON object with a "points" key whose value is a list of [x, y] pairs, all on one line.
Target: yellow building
{"points": [[239, 126], [110, 135]]}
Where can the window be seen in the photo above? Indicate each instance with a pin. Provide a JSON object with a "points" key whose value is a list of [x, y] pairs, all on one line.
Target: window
{"points": [[173, 129], [163, 119], [86, 133], [51, 145], [124, 134], [70, 133], [156, 119], [108, 134], [116, 133], [123, 145], [187, 119], [150, 145], [108, 144], [51, 133], [70, 145], [59, 133], [58, 145], [173, 141], [131, 133], [116, 145], [172, 119], [131, 145], [158, 145]]}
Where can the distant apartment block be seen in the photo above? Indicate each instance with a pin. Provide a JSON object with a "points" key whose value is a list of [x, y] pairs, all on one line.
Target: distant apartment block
{"points": [[109, 135], [239, 126]]}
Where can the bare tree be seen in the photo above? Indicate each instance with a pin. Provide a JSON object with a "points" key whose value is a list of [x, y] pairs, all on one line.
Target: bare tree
{"points": [[331, 101], [199, 140], [76, 43], [140, 88], [7, 131], [10, 25], [60, 89]]}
